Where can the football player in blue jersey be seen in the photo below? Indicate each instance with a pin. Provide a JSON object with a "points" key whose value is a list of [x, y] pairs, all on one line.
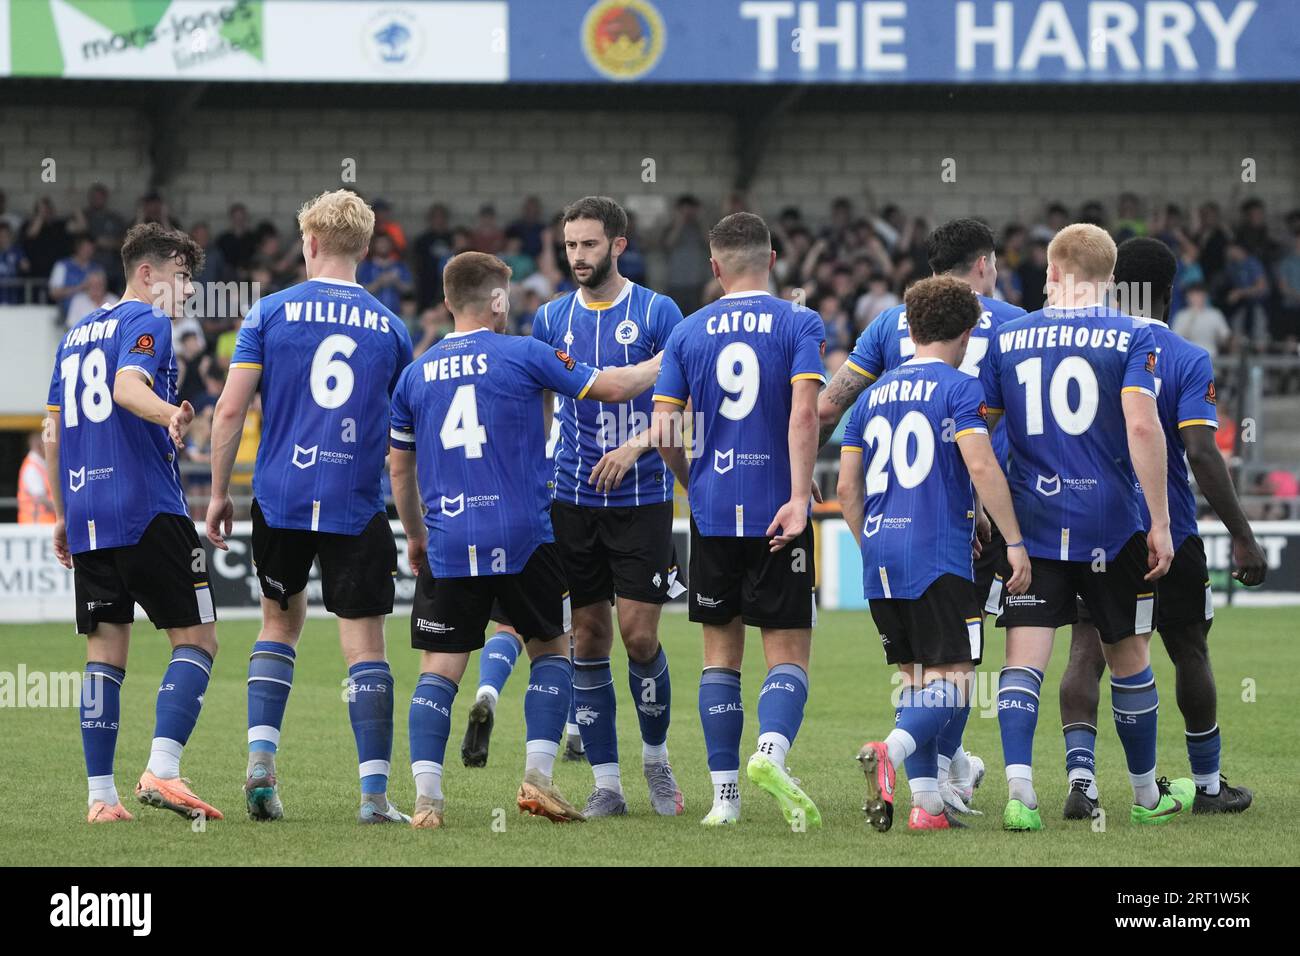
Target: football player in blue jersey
{"points": [[612, 511], [915, 446], [1076, 385], [1186, 401], [964, 249], [123, 525], [326, 355], [468, 443], [750, 364]]}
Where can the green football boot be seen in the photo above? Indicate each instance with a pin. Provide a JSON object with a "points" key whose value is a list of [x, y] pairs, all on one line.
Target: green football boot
{"points": [[1018, 817], [1176, 798]]}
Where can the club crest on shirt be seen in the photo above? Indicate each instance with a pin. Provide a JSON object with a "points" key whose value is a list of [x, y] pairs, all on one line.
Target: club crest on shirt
{"points": [[626, 333]]}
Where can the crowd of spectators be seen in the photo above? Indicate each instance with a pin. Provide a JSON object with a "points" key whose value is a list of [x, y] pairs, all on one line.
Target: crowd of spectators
{"points": [[1237, 287]]}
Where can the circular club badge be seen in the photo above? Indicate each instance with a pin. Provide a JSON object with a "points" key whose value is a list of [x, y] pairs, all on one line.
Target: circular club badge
{"points": [[623, 39], [626, 332]]}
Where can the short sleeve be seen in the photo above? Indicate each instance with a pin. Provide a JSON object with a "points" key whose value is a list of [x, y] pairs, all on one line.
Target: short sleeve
{"points": [[248, 344], [808, 348], [54, 402], [852, 440], [1197, 398], [868, 358], [144, 343], [664, 317], [401, 420], [967, 408], [556, 369], [990, 377], [1140, 370], [671, 385]]}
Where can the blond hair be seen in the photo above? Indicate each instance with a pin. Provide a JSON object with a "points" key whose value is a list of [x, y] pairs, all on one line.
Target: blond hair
{"points": [[341, 221], [1084, 252]]}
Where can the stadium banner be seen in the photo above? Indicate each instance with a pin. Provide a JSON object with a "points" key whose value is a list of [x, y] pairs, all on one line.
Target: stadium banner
{"points": [[446, 41], [840, 573], [34, 587], [655, 41]]}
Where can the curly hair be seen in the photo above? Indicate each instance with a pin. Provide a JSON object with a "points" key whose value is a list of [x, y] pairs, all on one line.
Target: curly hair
{"points": [[940, 309], [152, 242]]}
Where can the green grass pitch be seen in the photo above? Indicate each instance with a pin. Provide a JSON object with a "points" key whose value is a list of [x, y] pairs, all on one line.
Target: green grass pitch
{"points": [[42, 789]]}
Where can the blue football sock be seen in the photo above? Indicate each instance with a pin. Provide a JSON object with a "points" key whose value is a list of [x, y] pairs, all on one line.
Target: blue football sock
{"points": [[180, 698], [923, 713], [429, 726], [1081, 754], [497, 662], [270, 678], [1203, 753], [1018, 689], [101, 714], [550, 685], [950, 736], [722, 716], [370, 709], [780, 710], [1136, 705], [652, 691], [596, 702]]}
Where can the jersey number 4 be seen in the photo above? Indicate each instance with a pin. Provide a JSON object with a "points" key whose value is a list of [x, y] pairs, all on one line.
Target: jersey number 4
{"points": [[460, 428]]}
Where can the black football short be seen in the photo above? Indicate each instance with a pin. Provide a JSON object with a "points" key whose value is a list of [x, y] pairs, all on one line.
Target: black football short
{"points": [[165, 572], [450, 615], [740, 576], [1184, 595], [1120, 602], [628, 552], [988, 583], [357, 572], [942, 626]]}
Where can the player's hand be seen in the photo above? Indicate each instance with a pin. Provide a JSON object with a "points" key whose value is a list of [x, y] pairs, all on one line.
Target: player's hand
{"points": [[791, 520], [1021, 573], [61, 543], [180, 423], [1160, 553], [1249, 564], [221, 519], [416, 552], [609, 472]]}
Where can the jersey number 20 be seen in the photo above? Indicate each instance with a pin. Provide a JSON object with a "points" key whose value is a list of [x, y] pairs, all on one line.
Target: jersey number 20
{"points": [[892, 446]]}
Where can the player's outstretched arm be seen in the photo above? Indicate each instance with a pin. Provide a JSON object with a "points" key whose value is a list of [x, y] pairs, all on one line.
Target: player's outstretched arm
{"points": [[994, 495], [845, 387], [1146, 448], [406, 496], [851, 490], [1212, 478], [626, 382], [792, 517], [50, 439], [227, 429], [132, 391]]}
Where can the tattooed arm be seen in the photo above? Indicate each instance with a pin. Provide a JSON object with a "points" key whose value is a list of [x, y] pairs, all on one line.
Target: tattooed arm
{"points": [[838, 398]]}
